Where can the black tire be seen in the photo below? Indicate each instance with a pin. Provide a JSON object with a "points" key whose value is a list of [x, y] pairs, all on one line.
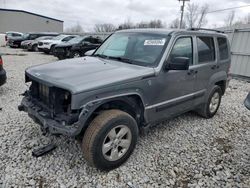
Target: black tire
{"points": [[75, 54], [205, 110], [97, 133], [52, 49], [35, 48], [60, 57]]}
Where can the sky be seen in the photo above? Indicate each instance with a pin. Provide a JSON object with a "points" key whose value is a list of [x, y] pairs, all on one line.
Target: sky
{"points": [[90, 12]]}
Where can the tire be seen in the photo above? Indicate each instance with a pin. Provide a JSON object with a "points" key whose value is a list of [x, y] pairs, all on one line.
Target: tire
{"points": [[76, 54], [35, 48], [206, 110], [99, 133], [52, 49]]}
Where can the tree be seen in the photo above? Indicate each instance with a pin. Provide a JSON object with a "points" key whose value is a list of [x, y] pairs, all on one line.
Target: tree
{"points": [[150, 24], [75, 29], [104, 28], [175, 24], [230, 19], [196, 15], [126, 25], [202, 18]]}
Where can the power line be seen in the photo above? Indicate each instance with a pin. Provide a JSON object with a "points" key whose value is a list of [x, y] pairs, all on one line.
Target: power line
{"points": [[232, 8]]}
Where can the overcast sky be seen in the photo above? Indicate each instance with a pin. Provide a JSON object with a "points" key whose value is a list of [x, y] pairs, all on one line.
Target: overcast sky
{"points": [[91, 12]]}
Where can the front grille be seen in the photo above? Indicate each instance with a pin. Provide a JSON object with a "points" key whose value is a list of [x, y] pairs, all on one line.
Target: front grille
{"points": [[43, 92], [40, 92]]}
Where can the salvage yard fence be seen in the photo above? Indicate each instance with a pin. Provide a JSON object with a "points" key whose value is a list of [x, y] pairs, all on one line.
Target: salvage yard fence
{"points": [[240, 51]]}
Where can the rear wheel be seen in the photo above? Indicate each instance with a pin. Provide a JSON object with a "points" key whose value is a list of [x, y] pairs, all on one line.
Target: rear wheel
{"points": [[76, 54], [110, 139], [209, 109]]}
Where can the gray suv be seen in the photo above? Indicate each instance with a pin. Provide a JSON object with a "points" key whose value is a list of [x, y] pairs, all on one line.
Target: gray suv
{"points": [[136, 78]]}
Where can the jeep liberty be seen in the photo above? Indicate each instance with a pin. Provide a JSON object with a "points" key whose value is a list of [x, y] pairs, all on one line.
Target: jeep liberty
{"points": [[136, 78]]}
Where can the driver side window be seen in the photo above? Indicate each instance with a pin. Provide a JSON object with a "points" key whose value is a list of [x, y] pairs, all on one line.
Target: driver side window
{"points": [[183, 47]]}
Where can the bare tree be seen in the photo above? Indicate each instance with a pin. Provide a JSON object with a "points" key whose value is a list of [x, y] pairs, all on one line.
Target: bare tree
{"points": [[104, 28], [150, 24], [192, 14], [196, 15], [230, 19], [75, 29], [175, 24], [126, 25], [202, 17]]}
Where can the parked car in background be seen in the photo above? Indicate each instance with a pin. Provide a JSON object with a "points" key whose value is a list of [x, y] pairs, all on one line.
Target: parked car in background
{"points": [[135, 79], [247, 101], [76, 47], [3, 76], [48, 46], [32, 45], [16, 41], [12, 34]]}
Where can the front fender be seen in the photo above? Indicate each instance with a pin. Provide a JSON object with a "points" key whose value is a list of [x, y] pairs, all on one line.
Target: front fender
{"points": [[89, 108]]}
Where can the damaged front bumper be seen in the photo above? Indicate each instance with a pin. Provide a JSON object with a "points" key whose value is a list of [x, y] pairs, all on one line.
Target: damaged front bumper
{"points": [[43, 117]]}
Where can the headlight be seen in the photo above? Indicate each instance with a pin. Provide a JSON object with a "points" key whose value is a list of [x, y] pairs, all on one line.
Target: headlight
{"points": [[46, 43]]}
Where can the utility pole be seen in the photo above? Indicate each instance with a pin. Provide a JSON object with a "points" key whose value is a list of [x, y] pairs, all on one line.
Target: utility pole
{"points": [[182, 12]]}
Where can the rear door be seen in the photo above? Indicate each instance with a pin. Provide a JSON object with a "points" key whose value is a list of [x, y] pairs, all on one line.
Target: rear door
{"points": [[205, 65]]}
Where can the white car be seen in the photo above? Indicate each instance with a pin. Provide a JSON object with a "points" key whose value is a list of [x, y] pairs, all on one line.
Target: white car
{"points": [[47, 46]]}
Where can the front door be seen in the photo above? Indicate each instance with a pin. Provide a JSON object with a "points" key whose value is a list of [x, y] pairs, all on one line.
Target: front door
{"points": [[176, 87]]}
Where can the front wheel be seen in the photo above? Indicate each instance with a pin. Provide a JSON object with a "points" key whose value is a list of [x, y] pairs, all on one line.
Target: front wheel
{"points": [[209, 109], [110, 139]]}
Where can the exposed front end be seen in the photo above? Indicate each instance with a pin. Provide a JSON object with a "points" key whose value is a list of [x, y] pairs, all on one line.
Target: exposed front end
{"points": [[50, 107]]}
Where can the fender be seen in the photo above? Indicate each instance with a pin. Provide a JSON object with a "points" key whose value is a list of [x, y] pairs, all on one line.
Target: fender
{"points": [[89, 108]]}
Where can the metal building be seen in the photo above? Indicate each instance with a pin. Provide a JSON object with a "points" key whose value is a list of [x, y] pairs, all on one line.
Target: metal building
{"points": [[23, 21], [239, 37]]}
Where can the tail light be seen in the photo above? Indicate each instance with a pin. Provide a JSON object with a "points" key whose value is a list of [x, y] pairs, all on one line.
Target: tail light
{"points": [[6, 38], [1, 61]]}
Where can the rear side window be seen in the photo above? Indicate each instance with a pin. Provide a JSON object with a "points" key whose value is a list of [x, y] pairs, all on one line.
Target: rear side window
{"points": [[223, 48], [206, 51]]}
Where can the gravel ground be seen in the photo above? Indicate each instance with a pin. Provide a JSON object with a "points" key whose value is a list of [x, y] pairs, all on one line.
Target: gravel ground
{"points": [[187, 151]]}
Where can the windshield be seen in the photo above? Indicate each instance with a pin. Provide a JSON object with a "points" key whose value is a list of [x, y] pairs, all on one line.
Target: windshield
{"points": [[59, 37], [76, 40], [136, 48], [26, 35]]}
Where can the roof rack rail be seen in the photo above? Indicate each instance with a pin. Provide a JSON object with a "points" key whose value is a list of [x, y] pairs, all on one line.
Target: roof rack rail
{"points": [[204, 29]]}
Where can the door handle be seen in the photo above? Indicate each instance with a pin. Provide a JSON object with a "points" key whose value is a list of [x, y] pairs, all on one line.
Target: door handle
{"points": [[192, 72], [213, 67]]}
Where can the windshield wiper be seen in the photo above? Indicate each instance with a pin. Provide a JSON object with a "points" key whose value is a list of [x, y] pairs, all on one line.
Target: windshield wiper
{"points": [[123, 59], [101, 56]]}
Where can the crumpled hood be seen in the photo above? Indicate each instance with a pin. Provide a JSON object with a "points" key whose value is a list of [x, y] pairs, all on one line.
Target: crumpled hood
{"points": [[87, 73]]}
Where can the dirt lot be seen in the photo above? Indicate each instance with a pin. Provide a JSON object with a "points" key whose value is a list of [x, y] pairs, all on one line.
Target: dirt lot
{"points": [[187, 151]]}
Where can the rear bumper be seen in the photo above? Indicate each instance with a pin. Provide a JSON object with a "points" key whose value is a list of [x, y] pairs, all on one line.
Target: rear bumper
{"points": [[43, 118], [3, 77]]}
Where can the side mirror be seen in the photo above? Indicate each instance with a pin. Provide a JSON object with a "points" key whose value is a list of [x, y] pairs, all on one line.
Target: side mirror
{"points": [[89, 53], [178, 63], [247, 102]]}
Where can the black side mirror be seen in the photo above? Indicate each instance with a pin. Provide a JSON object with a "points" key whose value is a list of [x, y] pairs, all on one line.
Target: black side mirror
{"points": [[178, 63], [247, 102]]}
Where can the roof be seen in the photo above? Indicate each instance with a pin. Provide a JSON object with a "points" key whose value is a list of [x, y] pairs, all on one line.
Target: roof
{"points": [[31, 13], [172, 31]]}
